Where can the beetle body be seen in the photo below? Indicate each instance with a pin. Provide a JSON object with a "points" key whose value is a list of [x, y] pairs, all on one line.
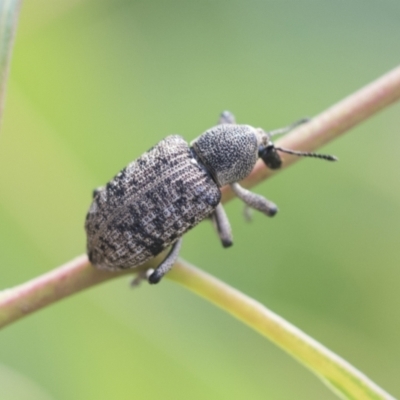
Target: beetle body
{"points": [[148, 206], [152, 202]]}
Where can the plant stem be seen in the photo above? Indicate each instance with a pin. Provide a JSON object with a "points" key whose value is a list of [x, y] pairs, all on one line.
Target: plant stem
{"points": [[330, 124], [70, 278], [338, 374], [78, 274], [9, 10]]}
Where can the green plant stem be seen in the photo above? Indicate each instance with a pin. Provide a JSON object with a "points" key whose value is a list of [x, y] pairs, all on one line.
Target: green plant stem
{"points": [[9, 10], [337, 373]]}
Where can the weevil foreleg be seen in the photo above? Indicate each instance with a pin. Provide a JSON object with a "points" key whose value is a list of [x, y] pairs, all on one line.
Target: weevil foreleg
{"points": [[254, 200], [223, 227], [227, 117], [154, 276], [289, 128]]}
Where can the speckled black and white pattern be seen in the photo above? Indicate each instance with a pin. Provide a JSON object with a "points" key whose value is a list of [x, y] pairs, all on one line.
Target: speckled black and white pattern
{"points": [[229, 152], [148, 206]]}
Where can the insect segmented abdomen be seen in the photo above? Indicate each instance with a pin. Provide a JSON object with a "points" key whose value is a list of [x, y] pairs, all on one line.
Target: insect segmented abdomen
{"points": [[148, 206]]}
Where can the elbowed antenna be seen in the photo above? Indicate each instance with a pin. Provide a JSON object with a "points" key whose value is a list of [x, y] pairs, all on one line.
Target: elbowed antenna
{"points": [[326, 157], [268, 152]]}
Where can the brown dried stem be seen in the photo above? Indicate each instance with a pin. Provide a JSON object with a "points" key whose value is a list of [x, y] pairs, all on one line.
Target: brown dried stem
{"points": [[331, 123]]}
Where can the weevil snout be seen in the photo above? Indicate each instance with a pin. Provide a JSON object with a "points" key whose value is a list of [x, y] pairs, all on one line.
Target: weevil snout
{"points": [[268, 152], [270, 156]]}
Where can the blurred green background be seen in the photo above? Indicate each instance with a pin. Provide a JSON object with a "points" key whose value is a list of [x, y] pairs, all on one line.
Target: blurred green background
{"points": [[94, 84]]}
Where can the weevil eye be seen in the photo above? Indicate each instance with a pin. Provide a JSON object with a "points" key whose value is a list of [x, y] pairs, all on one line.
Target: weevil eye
{"points": [[270, 156]]}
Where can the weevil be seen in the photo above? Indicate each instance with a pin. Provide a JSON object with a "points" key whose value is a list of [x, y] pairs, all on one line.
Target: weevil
{"points": [[152, 202]]}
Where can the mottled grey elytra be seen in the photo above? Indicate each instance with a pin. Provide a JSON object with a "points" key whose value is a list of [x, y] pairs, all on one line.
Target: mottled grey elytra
{"points": [[152, 202]]}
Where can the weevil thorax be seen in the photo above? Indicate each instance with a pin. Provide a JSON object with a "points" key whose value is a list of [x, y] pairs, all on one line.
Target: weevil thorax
{"points": [[228, 151]]}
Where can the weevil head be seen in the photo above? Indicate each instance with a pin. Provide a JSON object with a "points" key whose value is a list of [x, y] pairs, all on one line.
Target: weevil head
{"points": [[228, 151]]}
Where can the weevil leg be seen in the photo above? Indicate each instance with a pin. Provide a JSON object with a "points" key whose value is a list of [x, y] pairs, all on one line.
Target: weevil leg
{"points": [[247, 213], [289, 128], [141, 276], [154, 276], [223, 227], [254, 200], [95, 191], [227, 117]]}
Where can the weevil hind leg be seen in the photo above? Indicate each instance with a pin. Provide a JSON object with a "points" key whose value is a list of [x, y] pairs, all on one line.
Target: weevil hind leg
{"points": [[154, 276], [222, 226], [254, 200], [226, 117], [95, 191], [140, 277], [247, 213]]}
